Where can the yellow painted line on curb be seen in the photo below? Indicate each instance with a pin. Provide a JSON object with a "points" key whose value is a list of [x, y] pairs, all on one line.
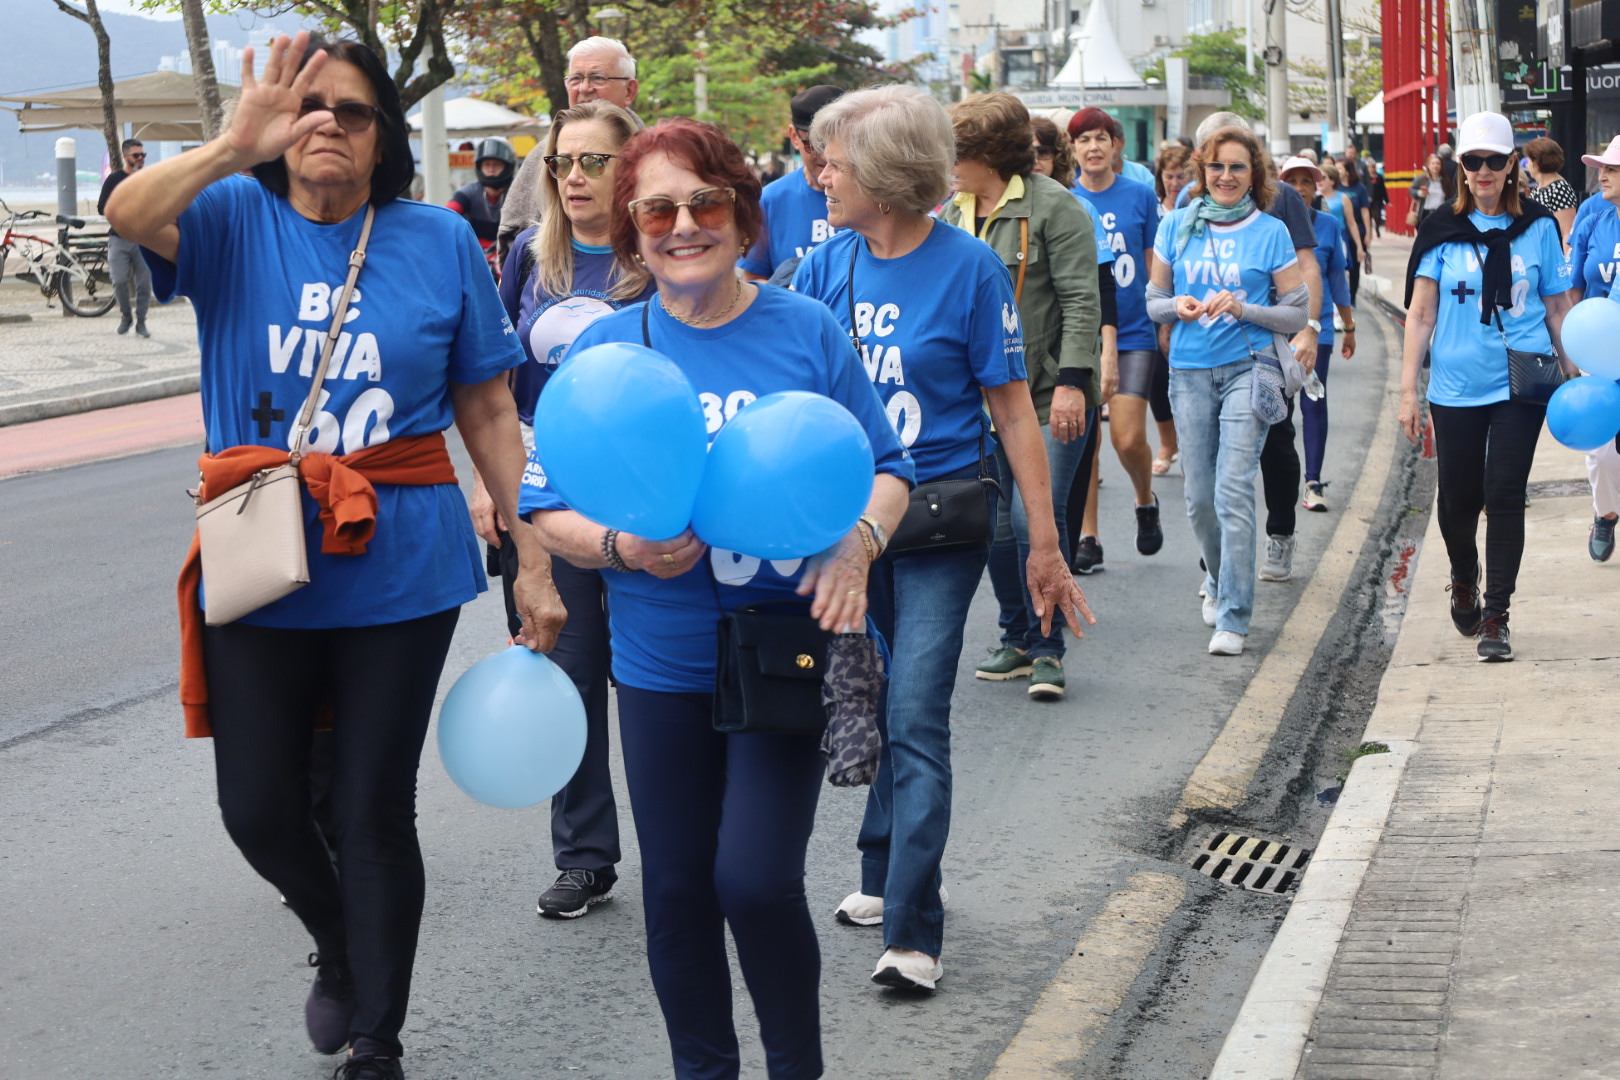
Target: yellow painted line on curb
{"points": [[1221, 780], [1078, 1003]]}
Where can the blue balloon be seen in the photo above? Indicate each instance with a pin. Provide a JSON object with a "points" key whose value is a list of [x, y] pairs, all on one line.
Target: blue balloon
{"points": [[1591, 336], [621, 437], [512, 729], [786, 478], [1584, 413]]}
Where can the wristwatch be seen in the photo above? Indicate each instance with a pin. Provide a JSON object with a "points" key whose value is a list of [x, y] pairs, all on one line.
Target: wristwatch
{"points": [[1350, 328], [880, 535], [1314, 324]]}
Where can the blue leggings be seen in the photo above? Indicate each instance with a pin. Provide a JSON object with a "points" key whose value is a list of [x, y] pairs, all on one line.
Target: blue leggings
{"points": [[724, 822], [1314, 416]]}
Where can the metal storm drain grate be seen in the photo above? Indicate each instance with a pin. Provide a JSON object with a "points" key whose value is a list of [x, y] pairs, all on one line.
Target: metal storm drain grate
{"points": [[1247, 863]]}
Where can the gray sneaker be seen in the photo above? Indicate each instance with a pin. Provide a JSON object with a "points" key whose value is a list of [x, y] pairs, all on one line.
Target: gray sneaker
{"points": [[1279, 564]]}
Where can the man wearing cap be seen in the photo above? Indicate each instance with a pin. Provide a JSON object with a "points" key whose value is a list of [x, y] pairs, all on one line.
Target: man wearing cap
{"points": [[1595, 258], [795, 206]]}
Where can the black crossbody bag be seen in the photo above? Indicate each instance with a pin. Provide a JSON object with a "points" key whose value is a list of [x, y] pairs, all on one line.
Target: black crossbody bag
{"points": [[942, 515], [1532, 376]]}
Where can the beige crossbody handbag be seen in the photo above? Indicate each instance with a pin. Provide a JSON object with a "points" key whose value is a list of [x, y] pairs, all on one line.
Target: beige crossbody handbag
{"points": [[252, 537]]}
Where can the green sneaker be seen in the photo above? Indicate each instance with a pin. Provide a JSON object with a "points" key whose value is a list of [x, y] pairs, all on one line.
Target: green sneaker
{"points": [[1005, 663], [1046, 680]]}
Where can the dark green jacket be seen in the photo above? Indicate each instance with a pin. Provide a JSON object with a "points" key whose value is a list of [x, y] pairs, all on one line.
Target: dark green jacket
{"points": [[1059, 305]]}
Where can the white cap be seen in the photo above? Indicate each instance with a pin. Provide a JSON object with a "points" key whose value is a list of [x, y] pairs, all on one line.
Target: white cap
{"points": [[1485, 131], [1611, 156], [1290, 164]]}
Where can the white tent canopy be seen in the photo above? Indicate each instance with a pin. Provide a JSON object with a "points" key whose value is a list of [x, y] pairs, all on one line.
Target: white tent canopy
{"points": [[1097, 60], [473, 118], [1371, 114], [159, 106]]}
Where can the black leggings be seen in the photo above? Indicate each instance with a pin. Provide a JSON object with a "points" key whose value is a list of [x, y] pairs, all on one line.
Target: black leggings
{"points": [[1484, 454], [265, 686], [1279, 475], [1159, 395]]}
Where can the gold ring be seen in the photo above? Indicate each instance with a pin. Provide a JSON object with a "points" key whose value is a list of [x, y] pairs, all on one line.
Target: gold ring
{"points": [[669, 559], [852, 592]]}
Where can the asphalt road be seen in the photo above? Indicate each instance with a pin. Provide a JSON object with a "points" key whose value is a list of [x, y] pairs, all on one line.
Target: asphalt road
{"points": [[137, 943]]}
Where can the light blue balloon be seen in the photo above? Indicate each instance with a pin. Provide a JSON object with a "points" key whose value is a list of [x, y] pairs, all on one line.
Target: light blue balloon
{"points": [[786, 478], [1591, 336], [621, 437], [1584, 413], [512, 729]]}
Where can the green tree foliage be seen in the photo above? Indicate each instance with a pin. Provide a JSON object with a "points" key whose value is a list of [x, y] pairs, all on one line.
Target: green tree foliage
{"points": [[1363, 71], [1221, 55]]}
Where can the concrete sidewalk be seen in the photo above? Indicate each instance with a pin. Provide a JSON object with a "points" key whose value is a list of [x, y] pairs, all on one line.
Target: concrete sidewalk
{"points": [[51, 365], [1455, 920]]}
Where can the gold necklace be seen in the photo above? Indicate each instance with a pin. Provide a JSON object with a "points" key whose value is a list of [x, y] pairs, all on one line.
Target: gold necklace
{"points": [[735, 300]]}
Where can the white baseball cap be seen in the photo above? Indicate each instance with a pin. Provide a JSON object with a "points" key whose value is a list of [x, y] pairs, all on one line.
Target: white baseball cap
{"points": [[1485, 131], [1296, 162], [1611, 156]]}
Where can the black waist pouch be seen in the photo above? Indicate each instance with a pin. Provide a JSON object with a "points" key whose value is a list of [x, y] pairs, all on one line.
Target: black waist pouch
{"points": [[770, 664]]}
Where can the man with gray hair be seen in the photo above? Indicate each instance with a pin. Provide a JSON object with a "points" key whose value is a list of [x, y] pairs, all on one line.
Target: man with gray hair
{"points": [[1279, 459], [599, 69]]}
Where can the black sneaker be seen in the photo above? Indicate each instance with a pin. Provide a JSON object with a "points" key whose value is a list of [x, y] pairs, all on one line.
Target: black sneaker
{"points": [[329, 1009], [1493, 645], [1149, 535], [124, 324], [574, 894], [1088, 556], [370, 1067], [1600, 540], [1466, 609]]}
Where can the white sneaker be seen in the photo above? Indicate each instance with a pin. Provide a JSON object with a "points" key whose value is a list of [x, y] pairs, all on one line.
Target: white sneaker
{"points": [[908, 971], [1279, 564], [1211, 607], [1226, 643], [858, 909]]}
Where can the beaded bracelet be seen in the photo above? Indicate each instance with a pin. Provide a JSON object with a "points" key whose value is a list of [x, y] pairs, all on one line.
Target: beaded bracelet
{"points": [[610, 551]]}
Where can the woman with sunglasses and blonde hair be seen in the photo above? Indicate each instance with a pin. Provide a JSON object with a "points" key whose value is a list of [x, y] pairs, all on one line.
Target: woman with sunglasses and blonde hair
{"points": [[723, 819], [560, 276], [1226, 278], [1487, 275]]}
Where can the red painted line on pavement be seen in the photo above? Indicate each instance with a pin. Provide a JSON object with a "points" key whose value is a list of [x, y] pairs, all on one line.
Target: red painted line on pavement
{"points": [[100, 434]]}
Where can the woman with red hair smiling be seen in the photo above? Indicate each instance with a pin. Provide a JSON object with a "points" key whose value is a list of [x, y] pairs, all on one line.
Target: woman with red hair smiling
{"points": [[724, 819]]}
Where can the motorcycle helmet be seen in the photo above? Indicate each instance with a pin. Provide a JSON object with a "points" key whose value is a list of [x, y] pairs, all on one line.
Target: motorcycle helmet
{"points": [[495, 149]]}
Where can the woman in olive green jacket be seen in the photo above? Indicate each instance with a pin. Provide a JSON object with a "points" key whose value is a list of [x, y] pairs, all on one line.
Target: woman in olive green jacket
{"points": [[1048, 243]]}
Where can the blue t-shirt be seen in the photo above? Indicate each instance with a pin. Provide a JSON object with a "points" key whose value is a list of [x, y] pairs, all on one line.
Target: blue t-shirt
{"points": [[1335, 266], [424, 314], [1129, 218], [1594, 255], [935, 326], [1240, 258], [664, 631], [1105, 254], [1135, 170], [1592, 204], [547, 325], [1468, 362], [795, 222], [1358, 201]]}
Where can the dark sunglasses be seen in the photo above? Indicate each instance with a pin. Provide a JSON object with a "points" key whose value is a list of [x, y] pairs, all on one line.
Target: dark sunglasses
{"points": [[710, 208], [352, 116], [1476, 162], [1046, 151], [135, 156], [592, 165]]}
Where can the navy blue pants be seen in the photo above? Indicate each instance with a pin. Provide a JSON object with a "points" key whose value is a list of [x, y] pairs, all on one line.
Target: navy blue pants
{"points": [[724, 822], [1315, 417]]}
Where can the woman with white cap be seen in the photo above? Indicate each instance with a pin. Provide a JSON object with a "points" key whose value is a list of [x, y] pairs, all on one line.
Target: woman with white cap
{"points": [[1595, 259], [1488, 274]]}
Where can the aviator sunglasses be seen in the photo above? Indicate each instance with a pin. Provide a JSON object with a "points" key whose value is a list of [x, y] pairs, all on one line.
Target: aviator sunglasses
{"points": [[591, 164], [710, 208], [352, 116], [1493, 162]]}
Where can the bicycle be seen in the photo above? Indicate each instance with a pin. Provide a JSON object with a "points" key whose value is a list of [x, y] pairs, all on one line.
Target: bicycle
{"points": [[73, 268]]}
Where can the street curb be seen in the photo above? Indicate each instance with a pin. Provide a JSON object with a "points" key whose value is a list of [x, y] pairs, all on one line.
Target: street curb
{"points": [[1267, 1042], [172, 386]]}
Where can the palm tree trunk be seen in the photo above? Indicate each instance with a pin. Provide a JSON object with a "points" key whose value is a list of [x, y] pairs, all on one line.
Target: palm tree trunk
{"points": [[202, 67], [91, 16]]}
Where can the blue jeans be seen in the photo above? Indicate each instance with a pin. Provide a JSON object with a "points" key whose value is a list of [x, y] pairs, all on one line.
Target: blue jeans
{"points": [[920, 605], [1221, 439], [1009, 555]]}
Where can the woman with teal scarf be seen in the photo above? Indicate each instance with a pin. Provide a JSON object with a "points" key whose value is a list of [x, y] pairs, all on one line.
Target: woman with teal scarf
{"points": [[1225, 275]]}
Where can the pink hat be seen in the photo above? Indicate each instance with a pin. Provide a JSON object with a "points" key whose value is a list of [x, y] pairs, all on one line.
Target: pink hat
{"points": [[1290, 164], [1611, 156]]}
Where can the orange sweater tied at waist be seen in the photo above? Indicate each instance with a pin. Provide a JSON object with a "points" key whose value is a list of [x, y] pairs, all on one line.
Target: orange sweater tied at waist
{"points": [[340, 485]]}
